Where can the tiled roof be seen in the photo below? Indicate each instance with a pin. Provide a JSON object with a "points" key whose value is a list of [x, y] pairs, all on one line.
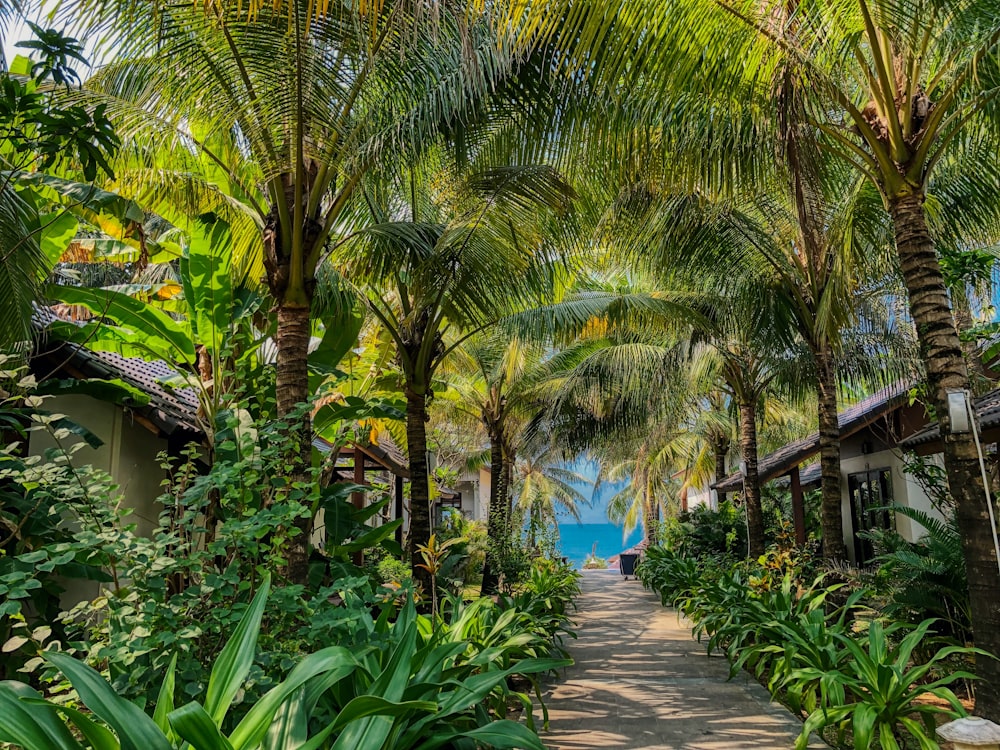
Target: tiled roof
{"points": [[850, 421], [987, 410], [168, 408]]}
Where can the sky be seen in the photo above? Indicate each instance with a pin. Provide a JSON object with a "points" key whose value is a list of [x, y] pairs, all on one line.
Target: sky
{"points": [[595, 513]]}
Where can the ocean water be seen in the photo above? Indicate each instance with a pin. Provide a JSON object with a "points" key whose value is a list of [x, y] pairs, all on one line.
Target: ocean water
{"points": [[577, 539]]}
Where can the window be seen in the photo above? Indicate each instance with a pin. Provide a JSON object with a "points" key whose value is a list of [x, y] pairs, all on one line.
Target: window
{"points": [[871, 493]]}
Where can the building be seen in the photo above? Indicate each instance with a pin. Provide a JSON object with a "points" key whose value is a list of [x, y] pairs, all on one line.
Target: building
{"points": [[873, 437]]}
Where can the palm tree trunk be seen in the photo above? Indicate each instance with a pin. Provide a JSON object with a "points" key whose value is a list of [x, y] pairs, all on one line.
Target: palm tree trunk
{"points": [[497, 523], [420, 494], [941, 351], [829, 451], [292, 389], [751, 482], [965, 323], [652, 520], [508, 488]]}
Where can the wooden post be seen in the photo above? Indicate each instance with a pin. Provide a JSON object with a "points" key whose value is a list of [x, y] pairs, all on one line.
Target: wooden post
{"points": [[798, 508], [358, 498]]}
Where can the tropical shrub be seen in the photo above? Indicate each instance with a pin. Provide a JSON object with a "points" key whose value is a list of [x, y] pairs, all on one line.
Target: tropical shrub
{"points": [[817, 647], [464, 566], [875, 692], [704, 531], [419, 693], [924, 579], [56, 525], [180, 592]]}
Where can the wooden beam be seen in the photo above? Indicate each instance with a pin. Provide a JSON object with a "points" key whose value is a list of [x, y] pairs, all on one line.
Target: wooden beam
{"points": [[798, 508]]}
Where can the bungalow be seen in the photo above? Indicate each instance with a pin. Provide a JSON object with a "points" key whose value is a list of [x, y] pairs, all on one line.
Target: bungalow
{"points": [[873, 434], [134, 432]]}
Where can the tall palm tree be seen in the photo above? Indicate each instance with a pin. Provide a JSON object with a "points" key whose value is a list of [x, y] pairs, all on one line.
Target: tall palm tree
{"points": [[441, 264], [819, 248], [896, 90], [491, 376], [292, 112]]}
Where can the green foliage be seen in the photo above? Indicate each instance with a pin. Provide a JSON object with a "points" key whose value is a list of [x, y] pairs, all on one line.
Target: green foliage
{"points": [[704, 531], [825, 655], [40, 551], [464, 565], [924, 579], [41, 130], [876, 688], [410, 686], [180, 592]]}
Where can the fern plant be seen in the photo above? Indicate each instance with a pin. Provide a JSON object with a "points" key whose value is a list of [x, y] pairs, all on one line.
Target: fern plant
{"points": [[926, 578]]}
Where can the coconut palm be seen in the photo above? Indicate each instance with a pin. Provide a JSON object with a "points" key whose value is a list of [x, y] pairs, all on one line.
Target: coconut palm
{"points": [[287, 114], [820, 249], [446, 256], [491, 377], [895, 90], [291, 112], [543, 486]]}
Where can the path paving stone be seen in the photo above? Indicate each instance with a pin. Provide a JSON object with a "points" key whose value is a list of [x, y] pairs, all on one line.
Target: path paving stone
{"points": [[641, 681]]}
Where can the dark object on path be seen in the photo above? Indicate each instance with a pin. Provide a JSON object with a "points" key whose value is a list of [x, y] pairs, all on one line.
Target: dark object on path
{"points": [[626, 562]]}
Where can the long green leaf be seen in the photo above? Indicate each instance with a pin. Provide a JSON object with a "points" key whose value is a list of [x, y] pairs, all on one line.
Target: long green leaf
{"points": [[31, 728], [142, 320], [97, 735], [135, 730], [321, 669], [193, 724], [165, 698], [234, 662], [289, 728]]}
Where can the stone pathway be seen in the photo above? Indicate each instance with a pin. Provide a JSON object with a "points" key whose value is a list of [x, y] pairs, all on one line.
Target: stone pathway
{"points": [[641, 681]]}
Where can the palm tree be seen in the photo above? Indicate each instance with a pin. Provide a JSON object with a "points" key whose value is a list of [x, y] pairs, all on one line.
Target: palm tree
{"points": [[896, 90], [289, 113], [649, 484], [542, 487], [818, 248], [491, 377], [441, 264]]}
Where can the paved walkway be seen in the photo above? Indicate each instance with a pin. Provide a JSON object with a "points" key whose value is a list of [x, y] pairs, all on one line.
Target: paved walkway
{"points": [[641, 681]]}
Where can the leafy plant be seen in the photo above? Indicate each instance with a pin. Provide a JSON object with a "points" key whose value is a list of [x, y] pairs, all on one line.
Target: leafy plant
{"points": [[407, 688], [926, 578], [876, 690]]}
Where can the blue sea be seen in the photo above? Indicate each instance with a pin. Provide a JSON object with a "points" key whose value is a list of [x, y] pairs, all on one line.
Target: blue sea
{"points": [[577, 539]]}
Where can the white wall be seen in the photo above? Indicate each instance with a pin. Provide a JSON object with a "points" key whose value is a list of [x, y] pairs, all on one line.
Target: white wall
{"points": [[129, 456], [702, 496]]}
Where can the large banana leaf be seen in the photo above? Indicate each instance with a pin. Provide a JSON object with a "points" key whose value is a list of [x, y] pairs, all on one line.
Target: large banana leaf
{"points": [[207, 286], [148, 329]]}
